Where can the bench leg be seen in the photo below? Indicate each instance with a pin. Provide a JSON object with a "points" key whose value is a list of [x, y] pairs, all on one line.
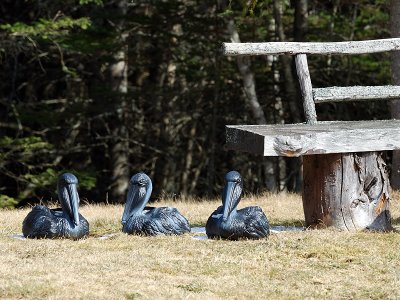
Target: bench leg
{"points": [[350, 191]]}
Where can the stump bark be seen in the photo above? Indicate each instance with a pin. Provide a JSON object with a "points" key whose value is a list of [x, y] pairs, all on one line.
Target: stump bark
{"points": [[350, 191]]}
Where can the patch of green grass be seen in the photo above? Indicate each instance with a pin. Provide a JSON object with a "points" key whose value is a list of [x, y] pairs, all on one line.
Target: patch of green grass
{"points": [[193, 288], [133, 296], [101, 227]]}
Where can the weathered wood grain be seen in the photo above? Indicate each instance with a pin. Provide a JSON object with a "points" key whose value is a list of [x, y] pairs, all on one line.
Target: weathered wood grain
{"points": [[306, 88], [355, 93], [320, 138], [349, 191], [322, 184], [293, 48]]}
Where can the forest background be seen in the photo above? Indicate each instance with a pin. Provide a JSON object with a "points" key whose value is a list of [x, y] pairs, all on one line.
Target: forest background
{"points": [[105, 89]]}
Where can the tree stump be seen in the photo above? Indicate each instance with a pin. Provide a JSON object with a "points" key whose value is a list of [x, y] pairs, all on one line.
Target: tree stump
{"points": [[350, 191]]}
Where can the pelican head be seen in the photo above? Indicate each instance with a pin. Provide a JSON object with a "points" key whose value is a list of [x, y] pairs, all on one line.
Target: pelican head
{"points": [[68, 196], [139, 191], [232, 191]]}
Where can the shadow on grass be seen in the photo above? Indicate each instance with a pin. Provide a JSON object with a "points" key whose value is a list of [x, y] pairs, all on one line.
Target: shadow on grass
{"points": [[289, 223], [396, 221], [198, 224]]}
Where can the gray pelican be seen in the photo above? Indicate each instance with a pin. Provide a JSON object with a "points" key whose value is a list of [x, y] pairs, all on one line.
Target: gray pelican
{"points": [[139, 219], [64, 222], [229, 223]]}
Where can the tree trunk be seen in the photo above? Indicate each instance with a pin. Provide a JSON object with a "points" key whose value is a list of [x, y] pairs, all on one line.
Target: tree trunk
{"points": [[300, 20], [276, 27], [289, 82], [395, 105], [213, 131], [293, 178], [120, 138], [249, 85], [188, 161], [350, 191]]}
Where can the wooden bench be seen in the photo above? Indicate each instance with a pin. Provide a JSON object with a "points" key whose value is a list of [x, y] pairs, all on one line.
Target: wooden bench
{"points": [[345, 183]]}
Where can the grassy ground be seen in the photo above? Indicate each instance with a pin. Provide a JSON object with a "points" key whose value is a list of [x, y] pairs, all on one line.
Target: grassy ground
{"points": [[291, 265]]}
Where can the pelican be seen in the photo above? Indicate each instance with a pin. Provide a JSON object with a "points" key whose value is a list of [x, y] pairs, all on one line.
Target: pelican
{"points": [[139, 219], [229, 223], [64, 222]]}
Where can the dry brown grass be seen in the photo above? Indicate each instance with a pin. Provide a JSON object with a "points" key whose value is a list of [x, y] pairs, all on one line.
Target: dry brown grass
{"points": [[311, 264]]}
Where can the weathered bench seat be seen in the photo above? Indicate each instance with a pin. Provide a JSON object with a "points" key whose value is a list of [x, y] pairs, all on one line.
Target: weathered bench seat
{"points": [[320, 138]]}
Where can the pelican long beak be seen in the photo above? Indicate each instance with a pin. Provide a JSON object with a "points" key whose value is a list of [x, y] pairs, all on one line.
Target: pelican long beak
{"points": [[133, 197], [227, 199], [73, 208]]}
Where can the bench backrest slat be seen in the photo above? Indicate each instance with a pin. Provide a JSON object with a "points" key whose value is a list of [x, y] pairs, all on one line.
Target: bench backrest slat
{"points": [[293, 48], [355, 93]]}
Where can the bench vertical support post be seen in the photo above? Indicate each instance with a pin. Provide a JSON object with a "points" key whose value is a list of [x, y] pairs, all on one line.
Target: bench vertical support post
{"points": [[350, 191], [306, 88]]}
